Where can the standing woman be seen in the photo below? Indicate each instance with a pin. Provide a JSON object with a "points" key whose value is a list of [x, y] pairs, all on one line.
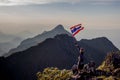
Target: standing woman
{"points": [[81, 59]]}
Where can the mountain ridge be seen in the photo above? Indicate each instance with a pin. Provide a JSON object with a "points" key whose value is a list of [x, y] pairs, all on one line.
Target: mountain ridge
{"points": [[97, 48], [51, 52], [39, 38], [59, 51]]}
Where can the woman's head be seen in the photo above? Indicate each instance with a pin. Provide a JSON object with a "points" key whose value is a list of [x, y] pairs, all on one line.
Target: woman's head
{"points": [[81, 50]]}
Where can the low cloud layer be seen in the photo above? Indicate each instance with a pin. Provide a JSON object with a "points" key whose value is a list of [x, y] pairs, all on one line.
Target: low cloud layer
{"points": [[27, 2]]}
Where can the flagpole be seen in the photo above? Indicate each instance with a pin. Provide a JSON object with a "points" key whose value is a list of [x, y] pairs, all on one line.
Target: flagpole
{"points": [[76, 29]]}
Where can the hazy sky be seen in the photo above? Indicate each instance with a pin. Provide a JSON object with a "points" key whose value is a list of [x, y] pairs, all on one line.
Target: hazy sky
{"points": [[40, 15]]}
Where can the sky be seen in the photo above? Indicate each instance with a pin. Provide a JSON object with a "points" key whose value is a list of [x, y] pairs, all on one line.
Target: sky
{"points": [[37, 16]]}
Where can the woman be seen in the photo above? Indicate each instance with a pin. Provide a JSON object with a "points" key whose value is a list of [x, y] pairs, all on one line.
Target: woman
{"points": [[81, 59]]}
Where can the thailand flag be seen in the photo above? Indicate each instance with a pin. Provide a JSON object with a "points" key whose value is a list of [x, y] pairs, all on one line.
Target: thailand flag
{"points": [[76, 29]]}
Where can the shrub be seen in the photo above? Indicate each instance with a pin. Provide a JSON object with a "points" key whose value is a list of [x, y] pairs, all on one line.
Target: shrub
{"points": [[54, 74]]}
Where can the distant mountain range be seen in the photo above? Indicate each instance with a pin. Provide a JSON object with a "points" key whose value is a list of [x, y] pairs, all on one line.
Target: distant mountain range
{"points": [[5, 47], [8, 42], [39, 38], [54, 48]]}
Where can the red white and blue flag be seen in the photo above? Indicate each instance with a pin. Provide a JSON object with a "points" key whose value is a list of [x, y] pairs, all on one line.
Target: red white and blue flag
{"points": [[76, 29]]}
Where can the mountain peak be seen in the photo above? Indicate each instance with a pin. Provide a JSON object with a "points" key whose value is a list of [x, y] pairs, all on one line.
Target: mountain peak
{"points": [[59, 27], [39, 38]]}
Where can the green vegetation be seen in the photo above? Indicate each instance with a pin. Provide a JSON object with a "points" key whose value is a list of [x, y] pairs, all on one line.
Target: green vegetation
{"points": [[109, 70], [111, 64], [111, 78], [54, 74], [107, 78], [105, 67]]}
